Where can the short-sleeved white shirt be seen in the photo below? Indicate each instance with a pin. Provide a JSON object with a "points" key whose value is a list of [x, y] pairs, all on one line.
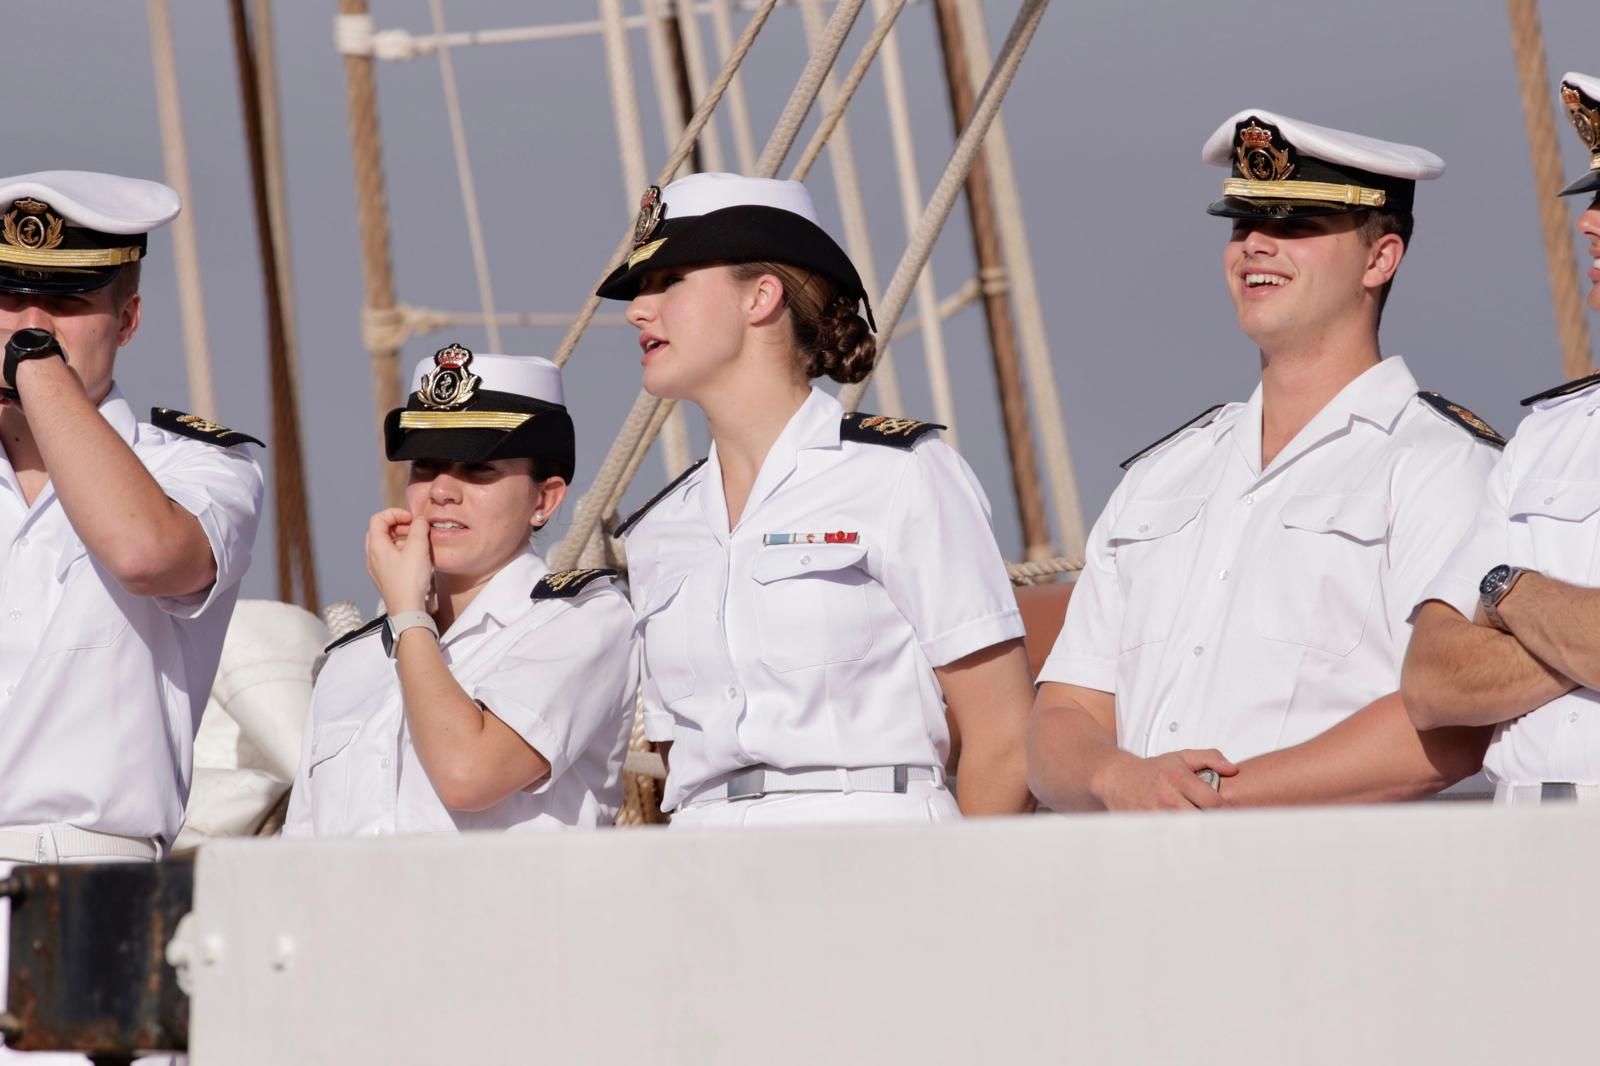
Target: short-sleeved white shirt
{"points": [[1541, 512], [561, 672], [1249, 610], [101, 691], [814, 655]]}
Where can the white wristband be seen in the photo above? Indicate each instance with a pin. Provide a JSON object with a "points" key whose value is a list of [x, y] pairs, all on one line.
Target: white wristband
{"points": [[399, 623]]}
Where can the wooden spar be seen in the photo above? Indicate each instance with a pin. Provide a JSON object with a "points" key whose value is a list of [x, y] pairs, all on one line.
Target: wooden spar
{"points": [[1538, 113], [996, 307], [377, 267], [293, 524]]}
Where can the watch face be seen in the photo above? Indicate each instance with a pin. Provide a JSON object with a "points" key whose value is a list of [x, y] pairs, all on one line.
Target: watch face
{"points": [[1494, 580]]}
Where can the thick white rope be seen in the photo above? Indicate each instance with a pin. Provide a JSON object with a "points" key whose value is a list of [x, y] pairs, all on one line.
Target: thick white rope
{"points": [[847, 182], [744, 143], [905, 158], [961, 299], [469, 188], [589, 512], [675, 433], [970, 143], [1048, 419], [391, 327], [1028, 573], [185, 248]]}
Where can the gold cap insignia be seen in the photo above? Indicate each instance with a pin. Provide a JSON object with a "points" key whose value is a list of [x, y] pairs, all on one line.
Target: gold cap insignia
{"points": [[450, 383], [1258, 158], [31, 224], [651, 210], [1586, 120]]}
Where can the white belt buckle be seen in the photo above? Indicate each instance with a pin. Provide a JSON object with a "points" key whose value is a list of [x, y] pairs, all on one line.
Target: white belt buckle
{"points": [[751, 784]]}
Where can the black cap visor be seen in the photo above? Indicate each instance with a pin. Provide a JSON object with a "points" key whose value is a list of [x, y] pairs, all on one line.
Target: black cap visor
{"points": [[546, 437], [35, 281], [1588, 183], [740, 234]]}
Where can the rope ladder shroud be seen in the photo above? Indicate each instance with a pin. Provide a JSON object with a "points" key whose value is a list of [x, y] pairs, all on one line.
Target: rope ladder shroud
{"points": [[1538, 113]]}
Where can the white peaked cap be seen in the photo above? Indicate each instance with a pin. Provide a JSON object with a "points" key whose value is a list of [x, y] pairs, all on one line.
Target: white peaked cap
{"points": [[105, 202], [525, 375], [1588, 83], [701, 194], [1330, 145]]}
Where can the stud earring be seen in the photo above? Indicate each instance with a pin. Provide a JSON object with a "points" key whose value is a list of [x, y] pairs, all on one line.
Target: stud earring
{"points": [[538, 516]]}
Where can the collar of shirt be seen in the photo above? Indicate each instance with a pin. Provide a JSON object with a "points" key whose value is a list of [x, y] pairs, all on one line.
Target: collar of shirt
{"points": [[115, 409], [503, 599], [814, 425], [1587, 398], [1378, 396]]}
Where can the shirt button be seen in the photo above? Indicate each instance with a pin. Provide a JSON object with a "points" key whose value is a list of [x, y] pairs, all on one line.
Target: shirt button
{"points": [[384, 762], [1248, 500], [15, 613], [10, 689], [1222, 576], [1145, 528], [733, 693], [1573, 717], [1198, 649], [1172, 727], [805, 560], [22, 542], [1549, 499]]}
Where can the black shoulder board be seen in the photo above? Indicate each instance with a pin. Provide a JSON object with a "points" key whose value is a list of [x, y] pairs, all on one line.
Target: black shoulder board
{"points": [[1566, 388], [1463, 418], [198, 428], [1203, 418], [881, 429], [565, 584], [380, 623], [629, 522]]}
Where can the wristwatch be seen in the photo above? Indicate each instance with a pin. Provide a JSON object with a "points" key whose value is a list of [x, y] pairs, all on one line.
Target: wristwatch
{"points": [[27, 344], [1494, 587], [399, 623]]}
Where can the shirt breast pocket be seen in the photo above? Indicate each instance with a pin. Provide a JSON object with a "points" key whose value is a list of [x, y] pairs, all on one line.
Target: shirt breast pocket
{"points": [[664, 627], [1559, 518], [329, 772], [1318, 589], [88, 616], [1155, 543], [811, 606]]}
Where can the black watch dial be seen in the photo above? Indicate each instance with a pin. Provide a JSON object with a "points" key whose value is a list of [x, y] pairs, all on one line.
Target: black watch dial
{"points": [[32, 343], [1494, 580]]}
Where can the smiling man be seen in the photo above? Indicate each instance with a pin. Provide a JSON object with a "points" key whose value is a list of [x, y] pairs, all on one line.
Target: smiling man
{"points": [[124, 540], [1506, 635], [1236, 635]]}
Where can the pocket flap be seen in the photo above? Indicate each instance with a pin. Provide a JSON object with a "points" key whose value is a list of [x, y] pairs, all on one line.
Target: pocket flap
{"points": [[1149, 519], [779, 561], [330, 739], [1360, 517], [660, 595], [1569, 501]]}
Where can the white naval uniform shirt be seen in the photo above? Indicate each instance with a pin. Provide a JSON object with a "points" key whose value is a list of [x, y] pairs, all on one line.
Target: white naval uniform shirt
{"points": [[1541, 512], [100, 690], [1249, 610], [561, 672], [814, 655]]}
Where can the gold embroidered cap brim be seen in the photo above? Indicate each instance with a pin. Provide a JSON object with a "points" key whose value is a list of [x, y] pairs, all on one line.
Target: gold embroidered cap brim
{"points": [[507, 420], [68, 258], [1311, 191]]}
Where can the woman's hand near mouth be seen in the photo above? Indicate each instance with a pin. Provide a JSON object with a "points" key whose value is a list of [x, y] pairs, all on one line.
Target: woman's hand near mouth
{"points": [[400, 560]]}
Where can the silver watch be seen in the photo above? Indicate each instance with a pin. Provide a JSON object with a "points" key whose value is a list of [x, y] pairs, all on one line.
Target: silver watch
{"points": [[1494, 587]]}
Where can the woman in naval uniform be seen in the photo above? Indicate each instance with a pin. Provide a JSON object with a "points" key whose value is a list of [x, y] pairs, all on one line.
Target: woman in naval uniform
{"points": [[815, 594], [494, 694]]}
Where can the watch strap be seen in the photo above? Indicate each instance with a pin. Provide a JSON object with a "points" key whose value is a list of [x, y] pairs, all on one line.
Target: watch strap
{"points": [[399, 623]]}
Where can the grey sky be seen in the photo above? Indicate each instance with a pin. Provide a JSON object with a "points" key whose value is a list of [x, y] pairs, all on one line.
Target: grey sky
{"points": [[1106, 122]]}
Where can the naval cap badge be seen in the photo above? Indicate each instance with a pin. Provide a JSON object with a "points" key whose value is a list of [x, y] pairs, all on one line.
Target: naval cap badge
{"points": [[31, 224], [1259, 159], [450, 383], [651, 210], [1586, 120]]}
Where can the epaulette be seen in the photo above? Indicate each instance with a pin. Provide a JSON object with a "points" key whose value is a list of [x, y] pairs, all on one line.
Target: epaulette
{"points": [[380, 623], [629, 522], [1566, 388], [565, 584], [198, 428], [1454, 412], [881, 429], [1202, 419]]}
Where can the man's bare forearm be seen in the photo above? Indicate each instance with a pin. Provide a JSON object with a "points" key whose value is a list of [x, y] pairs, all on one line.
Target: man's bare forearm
{"points": [[1460, 673], [1374, 756], [1068, 751], [1558, 623], [149, 543]]}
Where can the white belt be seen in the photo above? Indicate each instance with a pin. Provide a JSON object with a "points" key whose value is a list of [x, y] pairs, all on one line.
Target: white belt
{"points": [[1507, 794], [60, 843], [758, 781]]}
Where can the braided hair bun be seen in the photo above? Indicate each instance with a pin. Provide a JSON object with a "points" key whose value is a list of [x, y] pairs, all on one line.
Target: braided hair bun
{"points": [[830, 335]]}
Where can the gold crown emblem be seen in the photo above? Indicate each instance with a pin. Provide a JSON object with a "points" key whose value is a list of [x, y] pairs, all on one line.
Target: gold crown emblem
{"points": [[31, 224], [450, 383], [1586, 120], [1258, 159], [651, 210]]}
